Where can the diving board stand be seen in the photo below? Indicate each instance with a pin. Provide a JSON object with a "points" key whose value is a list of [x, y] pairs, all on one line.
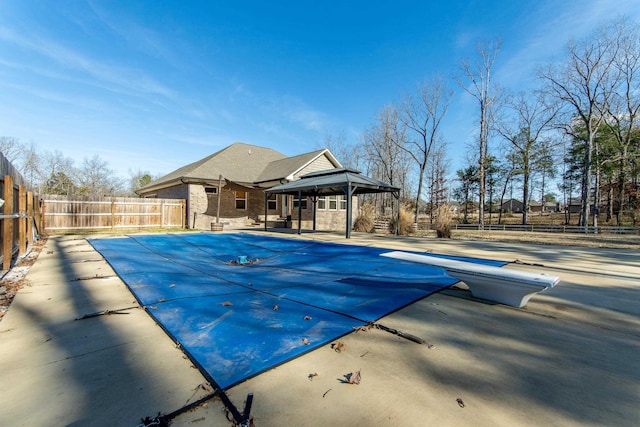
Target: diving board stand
{"points": [[510, 287]]}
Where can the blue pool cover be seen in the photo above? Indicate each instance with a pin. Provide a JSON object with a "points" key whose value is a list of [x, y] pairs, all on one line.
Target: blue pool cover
{"points": [[237, 320]]}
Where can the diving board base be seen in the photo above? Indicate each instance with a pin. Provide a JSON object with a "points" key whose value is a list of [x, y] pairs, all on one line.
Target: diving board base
{"points": [[510, 287]]}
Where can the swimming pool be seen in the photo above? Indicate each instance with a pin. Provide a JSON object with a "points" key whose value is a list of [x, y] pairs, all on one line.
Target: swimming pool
{"points": [[240, 304]]}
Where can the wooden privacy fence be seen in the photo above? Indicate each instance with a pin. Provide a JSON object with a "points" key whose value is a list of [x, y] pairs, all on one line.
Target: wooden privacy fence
{"points": [[63, 213], [20, 220]]}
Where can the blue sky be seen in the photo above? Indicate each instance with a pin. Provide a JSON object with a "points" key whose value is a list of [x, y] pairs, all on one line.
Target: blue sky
{"points": [[152, 86]]}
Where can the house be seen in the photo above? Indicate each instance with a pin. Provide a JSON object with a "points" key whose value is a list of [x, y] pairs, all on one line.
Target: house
{"points": [[549, 207], [237, 176], [512, 206]]}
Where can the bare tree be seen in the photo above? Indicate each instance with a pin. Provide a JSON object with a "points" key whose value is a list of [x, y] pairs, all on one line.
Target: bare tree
{"points": [[11, 148], [623, 107], [30, 166], [523, 128], [57, 174], [482, 88], [385, 159], [349, 155], [584, 83], [436, 180], [97, 180], [422, 114]]}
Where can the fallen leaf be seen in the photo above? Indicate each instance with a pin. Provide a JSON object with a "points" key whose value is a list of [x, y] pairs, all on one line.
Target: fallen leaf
{"points": [[338, 346], [305, 341], [226, 304], [354, 378], [204, 386]]}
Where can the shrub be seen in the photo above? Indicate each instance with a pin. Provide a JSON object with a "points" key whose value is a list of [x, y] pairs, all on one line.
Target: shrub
{"points": [[443, 221], [406, 222], [365, 220]]}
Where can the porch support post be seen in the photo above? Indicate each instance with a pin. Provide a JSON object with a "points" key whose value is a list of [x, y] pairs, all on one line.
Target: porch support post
{"points": [[314, 200], [397, 196], [266, 197], [299, 211], [349, 190]]}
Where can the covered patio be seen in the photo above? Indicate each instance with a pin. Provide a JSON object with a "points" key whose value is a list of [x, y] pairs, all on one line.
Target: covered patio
{"points": [[347, 182]]}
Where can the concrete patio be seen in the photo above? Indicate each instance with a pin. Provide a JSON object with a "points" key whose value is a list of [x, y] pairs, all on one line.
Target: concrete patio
{"points": [[567, 358]]}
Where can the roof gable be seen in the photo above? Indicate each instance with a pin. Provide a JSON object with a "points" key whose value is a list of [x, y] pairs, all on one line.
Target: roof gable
{"points": [[292, 168]]}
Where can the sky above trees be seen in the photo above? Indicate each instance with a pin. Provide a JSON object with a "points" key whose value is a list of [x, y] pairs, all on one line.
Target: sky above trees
{"points": [[156, 85]]}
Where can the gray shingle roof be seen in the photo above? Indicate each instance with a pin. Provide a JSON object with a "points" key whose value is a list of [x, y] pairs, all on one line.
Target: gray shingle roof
{"points": [[239, 162]]}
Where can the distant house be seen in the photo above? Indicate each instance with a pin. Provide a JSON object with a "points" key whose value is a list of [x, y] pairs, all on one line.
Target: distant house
{"points": [[574, 205], [512, 206], [241, 172], [548, 207]]}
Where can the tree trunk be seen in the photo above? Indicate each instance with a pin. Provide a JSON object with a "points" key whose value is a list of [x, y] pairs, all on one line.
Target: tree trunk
{"points": [[586, 182]]}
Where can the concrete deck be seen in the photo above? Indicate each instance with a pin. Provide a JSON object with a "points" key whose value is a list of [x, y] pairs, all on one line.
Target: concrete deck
{"points": [[567, 358]]}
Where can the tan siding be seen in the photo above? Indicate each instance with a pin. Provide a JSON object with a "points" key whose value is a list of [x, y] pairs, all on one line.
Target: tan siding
{"points": [[322, 163]]}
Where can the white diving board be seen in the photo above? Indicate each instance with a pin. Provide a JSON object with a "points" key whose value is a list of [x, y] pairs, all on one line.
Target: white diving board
{"points": [[510, 287]]}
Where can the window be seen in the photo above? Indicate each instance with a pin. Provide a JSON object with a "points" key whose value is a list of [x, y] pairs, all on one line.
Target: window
{"points": [[322, 203], [272, 202], [211, 190], [241, 200], [333, 203], [302, 201]]}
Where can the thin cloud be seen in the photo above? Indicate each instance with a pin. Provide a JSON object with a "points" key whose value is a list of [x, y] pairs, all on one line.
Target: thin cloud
{"points": [[132, 81], [137, 36], [545, 39]]}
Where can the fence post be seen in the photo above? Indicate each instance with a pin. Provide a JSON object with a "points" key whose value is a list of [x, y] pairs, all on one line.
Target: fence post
{"points": [[40, 211], [7, 224], [183, 207], [30, 218], [22, 221], [162, 214], [113, 214]]}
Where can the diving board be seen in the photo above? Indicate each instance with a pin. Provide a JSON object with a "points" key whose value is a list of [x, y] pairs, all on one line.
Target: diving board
{"points": [[510, 287]]}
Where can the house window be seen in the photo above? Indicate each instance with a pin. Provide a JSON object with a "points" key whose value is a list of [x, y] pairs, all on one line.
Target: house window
{"points": [[241, 200], [297, 202], [272, 202], [333, 203], [211, 190], [322, 203]]}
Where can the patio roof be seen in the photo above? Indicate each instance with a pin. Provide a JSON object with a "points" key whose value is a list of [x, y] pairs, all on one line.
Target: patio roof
{"points": [[332, 182]]}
